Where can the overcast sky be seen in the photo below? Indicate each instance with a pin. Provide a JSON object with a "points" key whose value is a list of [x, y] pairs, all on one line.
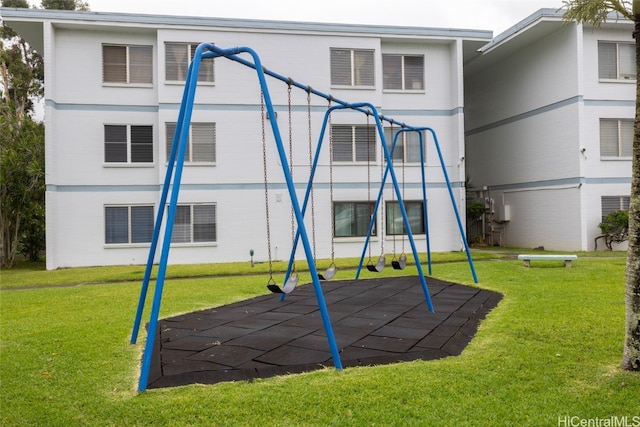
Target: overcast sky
{"points": [[493, 15]]}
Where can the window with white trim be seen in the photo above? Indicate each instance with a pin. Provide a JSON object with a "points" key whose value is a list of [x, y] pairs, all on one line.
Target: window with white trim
{"points": [[201, 146], [178, 56], [352, 67], [128, 224], [614, 203], [127, 64], [395, 222], [352, 219], [128, 144], [354, 143], [195, 224], [403, 72], [616, 138], [616, 61], [407, 146]]}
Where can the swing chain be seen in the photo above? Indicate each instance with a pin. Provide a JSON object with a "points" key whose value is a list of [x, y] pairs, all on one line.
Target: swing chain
{"points": [[266, 191], [369, 177], [293, 267], [393, 212], [313, 208], [404, 157], [333, 231], [382, 207]]}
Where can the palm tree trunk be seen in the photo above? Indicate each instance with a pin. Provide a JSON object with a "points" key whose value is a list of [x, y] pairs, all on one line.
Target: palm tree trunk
{"points": [[631, 354]]}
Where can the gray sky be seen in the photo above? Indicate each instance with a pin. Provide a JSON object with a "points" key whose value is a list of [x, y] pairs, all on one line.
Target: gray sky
{"points": [[493, 15]]}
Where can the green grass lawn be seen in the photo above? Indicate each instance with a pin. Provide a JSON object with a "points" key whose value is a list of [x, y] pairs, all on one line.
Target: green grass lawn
{"points": [[550, 349]]}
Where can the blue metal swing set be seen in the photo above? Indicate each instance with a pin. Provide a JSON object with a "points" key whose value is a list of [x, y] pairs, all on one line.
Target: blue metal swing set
{"points": [[174, 174]]}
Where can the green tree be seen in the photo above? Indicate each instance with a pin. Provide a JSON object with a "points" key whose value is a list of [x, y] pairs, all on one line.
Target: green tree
{"points": [[15, 3], [596, 12], [21, 147], [22, 217], [65, 5], [22, 184]]}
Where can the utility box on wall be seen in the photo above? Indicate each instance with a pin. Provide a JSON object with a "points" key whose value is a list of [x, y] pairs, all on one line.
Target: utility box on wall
{"points": [[503, 213]]}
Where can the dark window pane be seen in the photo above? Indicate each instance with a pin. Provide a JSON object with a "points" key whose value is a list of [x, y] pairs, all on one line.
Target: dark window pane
{"points": [[116, 220], [141, 144], [141, 224], [204, 223], [115, 152], [114, 64], [414, 72], [392, 71]]}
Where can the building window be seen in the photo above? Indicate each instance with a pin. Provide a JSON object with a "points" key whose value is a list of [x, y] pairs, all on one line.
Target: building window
{"points": [[195, 224], [352, 67], [403, 72], [353, 143], [614, 203], [616, 138], [407, 147], [201, 146], [127, 64], [128, 144], [352, 219], [128, 224], [616, 61], [395, 222], [178, 56]]}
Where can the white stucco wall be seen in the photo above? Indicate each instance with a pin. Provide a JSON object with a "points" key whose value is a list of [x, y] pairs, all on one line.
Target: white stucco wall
{"points": [[80, 184], [533, 136]]}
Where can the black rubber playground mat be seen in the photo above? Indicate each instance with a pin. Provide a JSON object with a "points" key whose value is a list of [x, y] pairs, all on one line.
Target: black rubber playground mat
{"points": [[375, 321]]}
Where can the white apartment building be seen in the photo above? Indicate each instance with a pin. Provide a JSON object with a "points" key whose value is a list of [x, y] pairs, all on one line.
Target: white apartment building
{"points": [[549, 109], [113, 86]]}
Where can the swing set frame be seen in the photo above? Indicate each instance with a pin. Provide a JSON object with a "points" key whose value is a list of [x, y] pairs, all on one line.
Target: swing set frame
{"points": [[174, 175]]}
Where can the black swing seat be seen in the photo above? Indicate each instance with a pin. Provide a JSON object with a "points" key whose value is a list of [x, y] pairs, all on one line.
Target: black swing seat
{"points": [[329, 273], [400, 263], [288, 286], [379, 265], [275, 289]]}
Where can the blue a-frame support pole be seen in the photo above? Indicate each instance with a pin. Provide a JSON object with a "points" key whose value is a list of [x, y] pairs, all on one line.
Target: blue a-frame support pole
{"points": [[181, 135], [424, 196], [368, 109]]}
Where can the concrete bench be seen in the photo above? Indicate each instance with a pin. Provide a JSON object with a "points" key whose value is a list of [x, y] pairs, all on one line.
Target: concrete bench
{"points": [[527, 258]]}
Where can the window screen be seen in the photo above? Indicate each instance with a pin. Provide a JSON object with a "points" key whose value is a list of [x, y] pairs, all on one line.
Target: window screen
{"points": [[127, 64], [403, 72], [616, 138], [201, 145], [616, 61], [195, 223], [351, 67], [128, 224], [178, 56], [614, 203], [354, 143]]}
